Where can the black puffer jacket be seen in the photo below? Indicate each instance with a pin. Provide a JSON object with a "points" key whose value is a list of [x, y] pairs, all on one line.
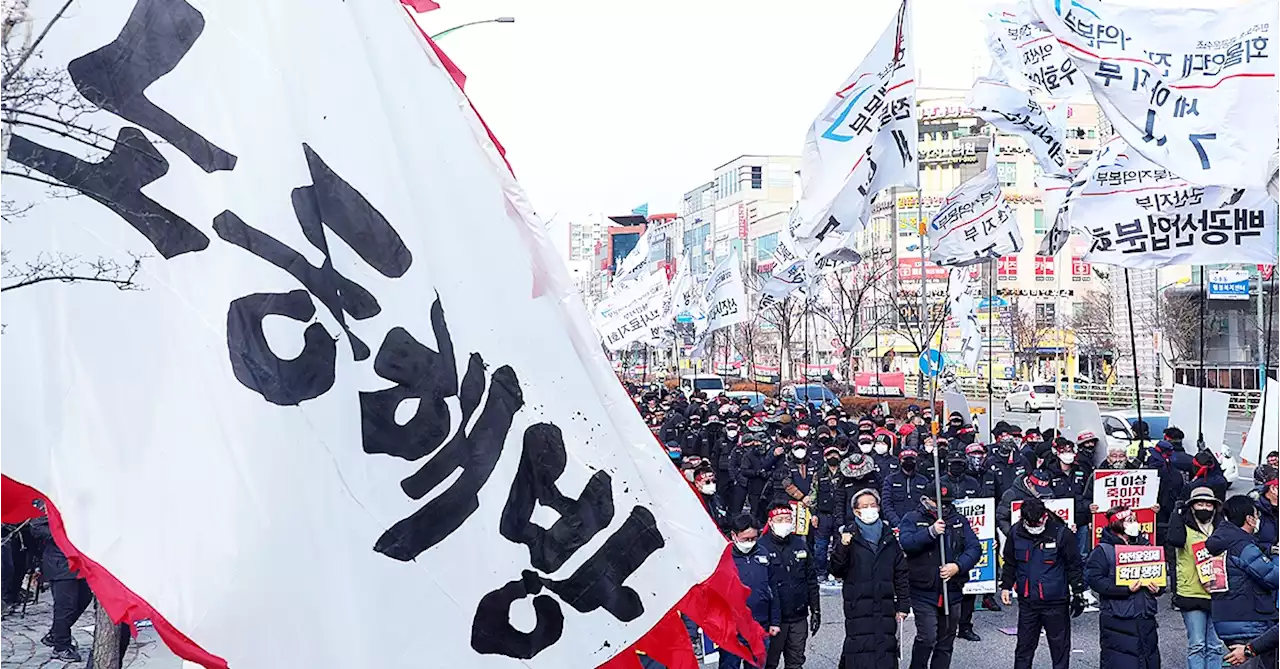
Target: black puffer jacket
{"points": [[875, 588], [1021, 491], [1127, 630], [53, 564]]}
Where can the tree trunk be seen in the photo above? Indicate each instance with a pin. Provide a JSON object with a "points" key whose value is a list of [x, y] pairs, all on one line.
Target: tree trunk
{"points": [[106, 641]]}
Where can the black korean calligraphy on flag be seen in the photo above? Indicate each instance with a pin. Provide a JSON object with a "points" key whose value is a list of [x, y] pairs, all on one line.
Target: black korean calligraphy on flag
{"points": [[1192, 89], [643, 304], [862, 142], [1135, 213], [974, 224], [1061, 192], [1012, 110], [1029, 56], [724, 297], [355, 414]]}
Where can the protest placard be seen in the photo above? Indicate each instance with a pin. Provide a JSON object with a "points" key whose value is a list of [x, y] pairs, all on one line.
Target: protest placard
{"points": [[1141, 564], [1064, 508], [981, 513], [1212, 569], [1134, 489]]}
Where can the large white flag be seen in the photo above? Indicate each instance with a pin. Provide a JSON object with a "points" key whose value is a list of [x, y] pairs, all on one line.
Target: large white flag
{"points": [[635, 264], [1012, 110], [1193, 90], [1137, 214], [1061, 193], [863, 141], [725, 297], [321, 435], [974, 224], [965, 314], [1030, 56], [643, 304]]}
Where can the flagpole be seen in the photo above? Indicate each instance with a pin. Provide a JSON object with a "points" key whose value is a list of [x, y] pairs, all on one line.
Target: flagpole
{"points": [[1266, 361], [1203, 379], [1133, 345], [991, 358], [924, 349]]}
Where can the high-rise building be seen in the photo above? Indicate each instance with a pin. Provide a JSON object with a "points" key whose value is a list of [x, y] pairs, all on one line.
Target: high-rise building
{"points": [[742, 208]]}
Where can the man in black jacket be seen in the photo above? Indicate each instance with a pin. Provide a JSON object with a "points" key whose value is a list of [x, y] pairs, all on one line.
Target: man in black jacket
{"points": [[1042, 565], [71, 594], [963, 486], [869, 559], [795, 580]]}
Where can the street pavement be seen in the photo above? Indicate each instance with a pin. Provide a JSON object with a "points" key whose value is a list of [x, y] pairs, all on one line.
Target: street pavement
{"points": [[20, 646]]}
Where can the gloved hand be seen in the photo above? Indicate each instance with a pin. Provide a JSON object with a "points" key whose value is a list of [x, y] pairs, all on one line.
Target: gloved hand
{"points": [[1077, 605], [815, 621]]}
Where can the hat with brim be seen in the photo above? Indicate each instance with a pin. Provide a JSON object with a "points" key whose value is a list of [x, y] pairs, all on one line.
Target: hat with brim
{"points": [[1203, 494]]}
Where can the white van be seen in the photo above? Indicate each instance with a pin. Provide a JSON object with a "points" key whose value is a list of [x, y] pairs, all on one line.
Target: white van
{"points": [[710, 384]]}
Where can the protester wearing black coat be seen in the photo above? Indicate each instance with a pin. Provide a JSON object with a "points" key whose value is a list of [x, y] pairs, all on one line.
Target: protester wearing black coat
{"points": [[875, 590], [1127, 628]]}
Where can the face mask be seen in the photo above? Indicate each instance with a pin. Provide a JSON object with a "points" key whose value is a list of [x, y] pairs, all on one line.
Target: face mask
{"points": [[1132, 529], [928, 448], [881, 448], [675, 455], [868, 515], [731, 432], [799, 453], [744, 546], [1035, 530], [956, 470], [1203, 515], [802, 433], [1067, 458], [866, 448], [782, 529], [975, 461], [909, 465], [833, 461]]}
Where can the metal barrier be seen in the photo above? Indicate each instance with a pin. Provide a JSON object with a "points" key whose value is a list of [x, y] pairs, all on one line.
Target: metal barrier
{"points": [[1109, 396]]}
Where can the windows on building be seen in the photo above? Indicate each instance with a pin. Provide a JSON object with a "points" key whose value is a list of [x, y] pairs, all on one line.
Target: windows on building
{"points": [[757, 177], [765, 246], [1007, 172], [1040, 226]]}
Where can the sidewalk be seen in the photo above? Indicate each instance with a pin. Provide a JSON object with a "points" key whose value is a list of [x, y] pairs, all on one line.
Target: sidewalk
{"points": [[20, 646]]}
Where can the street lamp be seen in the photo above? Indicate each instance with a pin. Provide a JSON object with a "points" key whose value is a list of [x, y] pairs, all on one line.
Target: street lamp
{"points": [[500, 19]]}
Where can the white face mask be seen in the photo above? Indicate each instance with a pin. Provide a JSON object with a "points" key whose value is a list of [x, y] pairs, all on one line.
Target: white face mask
{"points": [[799, 453], [868, 515], [745, 546], [707, 488], [882, 448], [1067, 458], [1035, 530], [802, 433], [731, 433], [928, 448], [1132, 529], [866, 448], [782, 529]]}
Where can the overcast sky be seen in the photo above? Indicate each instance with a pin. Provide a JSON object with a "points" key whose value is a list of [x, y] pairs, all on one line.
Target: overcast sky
{"points": [[605, 105]]}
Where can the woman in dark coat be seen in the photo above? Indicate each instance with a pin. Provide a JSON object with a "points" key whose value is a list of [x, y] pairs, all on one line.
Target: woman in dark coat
{"points": [[876, 596], [1127, 615]]}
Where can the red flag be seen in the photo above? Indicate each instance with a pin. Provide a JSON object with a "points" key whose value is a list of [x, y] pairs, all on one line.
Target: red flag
{"points": [[420, 6]]}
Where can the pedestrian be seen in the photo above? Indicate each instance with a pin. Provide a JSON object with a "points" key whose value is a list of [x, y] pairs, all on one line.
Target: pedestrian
{"points": [[71, 594], [829, 509], [1208, 474], [1087, 443], [1034, 485], [1069, 479], [1266, 504], [876, 589], [902, 489], [1042, 566], [1271, 461], [755, 572], [1248, 606], [758, 465], [1006, 465], [795, 583], [1127, 629], [931, 579], [963, 486], [704, 481], [1191, 526], [794, 477], [1172, 464]]}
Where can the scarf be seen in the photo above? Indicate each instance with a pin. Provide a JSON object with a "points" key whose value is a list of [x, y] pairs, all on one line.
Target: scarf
{"points": [[870, 533]]}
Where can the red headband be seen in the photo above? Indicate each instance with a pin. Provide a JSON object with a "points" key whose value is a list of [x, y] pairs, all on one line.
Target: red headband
{"points": [[779, 512], [1122, 514]]}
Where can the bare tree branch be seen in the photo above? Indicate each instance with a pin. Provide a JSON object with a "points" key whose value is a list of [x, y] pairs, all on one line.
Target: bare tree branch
{"points": [[70, 269], [22, 60]]}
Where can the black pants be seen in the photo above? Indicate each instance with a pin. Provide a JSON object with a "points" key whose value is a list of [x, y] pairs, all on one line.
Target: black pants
{"points": [[737, 499], [788, 645], [757, 501], [70, 598], [935, 637], [1055, 620], [967, 604], [125, 636]]}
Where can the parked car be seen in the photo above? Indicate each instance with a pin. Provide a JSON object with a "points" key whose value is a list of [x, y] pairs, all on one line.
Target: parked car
{"points": [[815, 395], [755, 399], [710, 384], [1120, 428], [1031, 397]]}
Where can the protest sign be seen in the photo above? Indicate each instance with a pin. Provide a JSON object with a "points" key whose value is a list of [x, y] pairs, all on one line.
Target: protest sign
{"points": [[1142, 565], [955, 401], [1134, 489], [1185, 414], [1084, 416], [1254, 448], [1063, 508], [981, 513], [1210, 569]]}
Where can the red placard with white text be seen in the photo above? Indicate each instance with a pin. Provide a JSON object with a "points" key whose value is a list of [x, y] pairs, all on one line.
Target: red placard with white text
{"points": [[1135, 489]]}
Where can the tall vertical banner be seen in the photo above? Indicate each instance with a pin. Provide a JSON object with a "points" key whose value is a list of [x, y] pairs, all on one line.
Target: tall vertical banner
{"points": [[724, 296], [1135, 489], [981, 514], [863, 141], [355, 371], [975, 224], [1192, 89]]}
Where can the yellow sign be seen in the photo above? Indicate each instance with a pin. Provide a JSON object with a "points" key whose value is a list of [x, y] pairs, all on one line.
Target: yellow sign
{"points": [[1142, 565]]}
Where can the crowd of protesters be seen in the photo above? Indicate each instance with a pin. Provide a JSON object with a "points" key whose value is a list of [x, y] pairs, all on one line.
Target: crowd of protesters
{"points": [[810, 494]]}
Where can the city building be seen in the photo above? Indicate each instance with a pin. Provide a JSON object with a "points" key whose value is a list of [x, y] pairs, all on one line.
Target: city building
{"points": [[741, 209], [1032, 299]]}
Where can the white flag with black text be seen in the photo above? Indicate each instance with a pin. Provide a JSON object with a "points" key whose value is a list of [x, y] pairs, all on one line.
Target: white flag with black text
{"points": [[974, 224], [1012, 110], [725, 297]]}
